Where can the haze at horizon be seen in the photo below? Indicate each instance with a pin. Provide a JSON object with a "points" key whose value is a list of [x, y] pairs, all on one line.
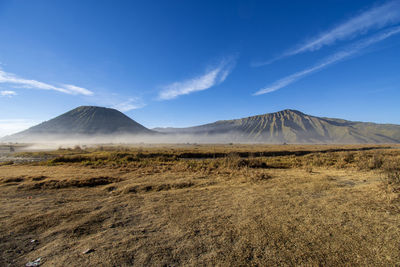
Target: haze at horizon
{"points": [[181, 63]]}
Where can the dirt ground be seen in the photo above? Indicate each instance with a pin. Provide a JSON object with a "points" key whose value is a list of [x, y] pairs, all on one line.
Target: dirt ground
{"points": [[143, 212]]}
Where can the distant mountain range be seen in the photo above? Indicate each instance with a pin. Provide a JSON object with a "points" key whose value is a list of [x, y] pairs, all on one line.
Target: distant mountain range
{"points": [[292, 126], [287, 126]]}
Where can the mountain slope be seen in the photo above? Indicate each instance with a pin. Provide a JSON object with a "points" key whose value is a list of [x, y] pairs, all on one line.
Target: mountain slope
{"points": [[85, 120], [98, 124], [291, 126]]}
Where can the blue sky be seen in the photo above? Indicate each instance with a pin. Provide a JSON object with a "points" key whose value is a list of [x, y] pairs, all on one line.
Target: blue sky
{"points": [[183, 63]]}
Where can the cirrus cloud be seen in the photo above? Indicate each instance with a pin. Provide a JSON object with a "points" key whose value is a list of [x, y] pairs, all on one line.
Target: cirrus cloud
{"points": [[10, 78], [375, 18], [130, 104], [209, 79], [8, 93], [339, 56]]}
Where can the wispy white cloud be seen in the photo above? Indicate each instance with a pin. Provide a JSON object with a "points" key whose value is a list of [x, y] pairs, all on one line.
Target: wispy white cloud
{"points": [[11, 126], [10, 78], [209, 79], [131, 104], [341, 55], [74, 90], [374, 18], [8, 93]]}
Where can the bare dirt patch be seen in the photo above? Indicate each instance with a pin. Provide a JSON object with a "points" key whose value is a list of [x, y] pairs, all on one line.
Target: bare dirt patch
{"points": [[331, 209]]}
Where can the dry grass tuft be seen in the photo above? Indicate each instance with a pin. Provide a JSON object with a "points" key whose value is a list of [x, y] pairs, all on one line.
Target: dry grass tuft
{"points": [[190, 205]]}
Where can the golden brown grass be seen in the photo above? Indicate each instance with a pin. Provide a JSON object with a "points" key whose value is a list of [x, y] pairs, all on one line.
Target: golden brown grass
{"points": [[203, 205]]}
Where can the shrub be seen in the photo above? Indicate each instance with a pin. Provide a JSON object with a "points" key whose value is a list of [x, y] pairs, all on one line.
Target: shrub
{"points": [[393, 178], [375, 162], [348, 157], [260, 177]]}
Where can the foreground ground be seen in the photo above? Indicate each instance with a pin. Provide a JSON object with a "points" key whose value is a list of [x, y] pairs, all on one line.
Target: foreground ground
{"points": [[202, 205]]}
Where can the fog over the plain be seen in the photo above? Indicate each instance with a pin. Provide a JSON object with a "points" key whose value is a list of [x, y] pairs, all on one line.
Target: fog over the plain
{"points": [[52, 141]]}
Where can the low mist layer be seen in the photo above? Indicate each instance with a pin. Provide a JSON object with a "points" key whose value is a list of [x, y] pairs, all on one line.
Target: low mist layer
{"points": [[91, 125]]}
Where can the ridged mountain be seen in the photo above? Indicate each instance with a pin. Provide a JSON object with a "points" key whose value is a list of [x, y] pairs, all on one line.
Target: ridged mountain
{"points": [[292, 126], [98, 124], [86, 120]]}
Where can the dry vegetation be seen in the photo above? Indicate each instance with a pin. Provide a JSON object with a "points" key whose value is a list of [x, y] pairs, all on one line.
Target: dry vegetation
{"points": [[226, 205]]}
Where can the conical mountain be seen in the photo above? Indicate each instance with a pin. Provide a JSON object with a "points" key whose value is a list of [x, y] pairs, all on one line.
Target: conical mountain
{"points": [[85, 120], [292, 126], [286, 126]]}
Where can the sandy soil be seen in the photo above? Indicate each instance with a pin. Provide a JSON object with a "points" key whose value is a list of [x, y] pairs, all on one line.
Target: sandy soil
{"points": [[169, 216]]}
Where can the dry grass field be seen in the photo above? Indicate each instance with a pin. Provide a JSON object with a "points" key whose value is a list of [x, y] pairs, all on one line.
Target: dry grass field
{"points": [[223, 205]]}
